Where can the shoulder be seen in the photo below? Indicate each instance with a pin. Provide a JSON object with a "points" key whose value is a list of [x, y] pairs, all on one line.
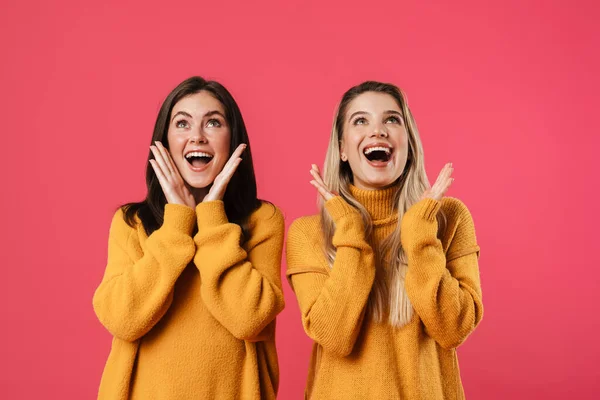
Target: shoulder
{"points": [[119, 224], [121, 234], [267, 213], [455, 209], [265, 223], [304, 249], [305, 227]]}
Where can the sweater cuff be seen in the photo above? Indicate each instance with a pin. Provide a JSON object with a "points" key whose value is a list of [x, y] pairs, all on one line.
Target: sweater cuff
{"points": [[211, 213], [337, 208], [179, 218], [426, 209]]}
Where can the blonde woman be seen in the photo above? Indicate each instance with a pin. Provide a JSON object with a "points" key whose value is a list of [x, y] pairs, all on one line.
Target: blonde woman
{"points": [[387, 275]]}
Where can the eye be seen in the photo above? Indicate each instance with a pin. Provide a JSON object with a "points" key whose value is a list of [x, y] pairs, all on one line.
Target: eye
{"points": [[393, 120], [360, 121], [213, 123], [182, 123]]}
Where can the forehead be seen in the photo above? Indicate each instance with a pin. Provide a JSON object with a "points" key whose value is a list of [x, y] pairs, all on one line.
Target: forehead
{"points": [[198, 104], [373, 103]]}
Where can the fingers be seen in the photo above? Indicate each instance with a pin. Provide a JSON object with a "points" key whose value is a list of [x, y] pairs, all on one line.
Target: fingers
{"points": [[162, 163], [160, 175], [317, 175], [236, 155], [240, 149], [234, 161], [319, 184], [222, 180], [443, 176], [449, 171], [326, 194], [448, 177], [167, 157], [443, 182], [232, 169]]}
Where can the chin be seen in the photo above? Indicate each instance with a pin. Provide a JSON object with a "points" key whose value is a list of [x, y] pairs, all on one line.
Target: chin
{"points": [[199, 183], [381, 182]]}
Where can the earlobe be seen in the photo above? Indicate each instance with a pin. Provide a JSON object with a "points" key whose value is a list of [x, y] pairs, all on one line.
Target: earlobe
{"points": [[343, 157]]}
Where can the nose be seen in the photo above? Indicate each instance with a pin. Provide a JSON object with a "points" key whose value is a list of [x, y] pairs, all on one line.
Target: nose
{"points": [[198, 137], [379, 131]]}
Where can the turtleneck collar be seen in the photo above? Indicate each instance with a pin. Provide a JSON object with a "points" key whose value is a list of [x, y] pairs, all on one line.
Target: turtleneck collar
{"points": [[379, 203]]}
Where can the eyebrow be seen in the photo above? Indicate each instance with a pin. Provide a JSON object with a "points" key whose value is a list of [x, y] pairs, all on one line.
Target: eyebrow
{"points": [[208, 114], [181, 113], [357, 113], [214, 112], [394, 112]]}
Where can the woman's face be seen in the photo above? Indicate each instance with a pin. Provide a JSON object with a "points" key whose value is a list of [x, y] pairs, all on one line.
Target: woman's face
{"points": [[199, 138], [374, 140]]}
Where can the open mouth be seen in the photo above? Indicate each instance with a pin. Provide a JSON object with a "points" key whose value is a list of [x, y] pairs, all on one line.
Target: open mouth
{"points": [[198, 159], [378, 154]]}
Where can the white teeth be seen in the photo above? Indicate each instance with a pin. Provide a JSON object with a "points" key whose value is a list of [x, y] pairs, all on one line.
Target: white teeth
{"points": [[372, 149], [198, 154]]}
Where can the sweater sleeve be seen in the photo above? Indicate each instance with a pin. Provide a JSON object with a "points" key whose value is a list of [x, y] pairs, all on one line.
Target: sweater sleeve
{"points": [[444, 288], [241, 289], [137, 287], [332, 302]]}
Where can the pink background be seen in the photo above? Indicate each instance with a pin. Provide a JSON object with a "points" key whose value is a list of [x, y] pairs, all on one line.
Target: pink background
{"points": [[507, 91]]}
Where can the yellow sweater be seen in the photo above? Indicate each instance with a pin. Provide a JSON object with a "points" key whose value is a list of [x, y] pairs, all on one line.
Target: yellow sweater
{"points": [[192, 317], [353, 356]]}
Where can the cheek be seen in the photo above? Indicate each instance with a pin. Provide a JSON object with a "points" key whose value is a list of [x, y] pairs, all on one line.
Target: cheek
{"points": [[176, 145], [402, 138], [351, 144], [221, 147]]}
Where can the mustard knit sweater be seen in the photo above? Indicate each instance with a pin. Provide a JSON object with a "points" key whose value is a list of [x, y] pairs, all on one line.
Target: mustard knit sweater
{"points": [[192, 317], [353, 356]]}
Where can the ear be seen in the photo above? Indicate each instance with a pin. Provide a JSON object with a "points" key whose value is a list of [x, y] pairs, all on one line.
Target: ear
{"points": [[343, 155]]}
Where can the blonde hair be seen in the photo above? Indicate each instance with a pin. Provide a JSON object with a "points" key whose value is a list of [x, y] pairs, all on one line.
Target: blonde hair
{"points": [[388, 295]]}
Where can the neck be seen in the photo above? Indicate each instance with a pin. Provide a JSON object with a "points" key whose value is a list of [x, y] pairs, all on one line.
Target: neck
{"points": [[199, 194]]}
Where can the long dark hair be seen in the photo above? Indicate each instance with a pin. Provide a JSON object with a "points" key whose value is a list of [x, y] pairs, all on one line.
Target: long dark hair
{"points": [[240, 197]]}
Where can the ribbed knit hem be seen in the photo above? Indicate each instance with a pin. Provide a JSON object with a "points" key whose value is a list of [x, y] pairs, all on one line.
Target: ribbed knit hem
{"points": [[338, 208], [426, 209], [179, 218], [211, 213]]}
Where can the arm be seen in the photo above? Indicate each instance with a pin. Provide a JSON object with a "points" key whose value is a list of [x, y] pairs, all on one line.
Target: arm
{"points": [[241, 289], [444, 290], [137, 288], [332, 303]]}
